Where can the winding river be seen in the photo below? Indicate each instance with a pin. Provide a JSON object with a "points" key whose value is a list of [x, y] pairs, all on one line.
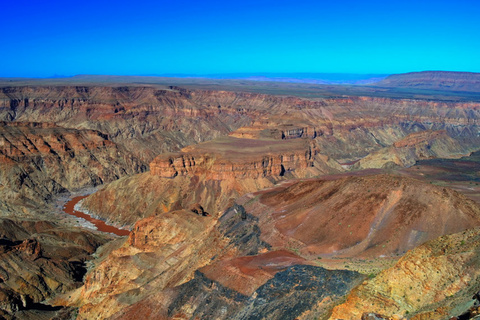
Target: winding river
{"points": [[69, 208]]}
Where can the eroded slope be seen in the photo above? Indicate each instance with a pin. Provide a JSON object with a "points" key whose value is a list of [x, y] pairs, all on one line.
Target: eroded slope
{"points": [[40, 160]]}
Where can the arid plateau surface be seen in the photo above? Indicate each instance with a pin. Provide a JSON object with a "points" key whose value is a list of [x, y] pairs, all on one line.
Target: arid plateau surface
{"points": [[157, 198]]}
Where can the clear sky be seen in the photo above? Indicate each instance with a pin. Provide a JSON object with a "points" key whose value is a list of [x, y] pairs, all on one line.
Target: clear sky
{"points": [[43, 38]]}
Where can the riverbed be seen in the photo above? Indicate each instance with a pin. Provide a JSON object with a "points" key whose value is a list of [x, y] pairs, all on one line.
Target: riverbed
{"points": [[69, 208]]}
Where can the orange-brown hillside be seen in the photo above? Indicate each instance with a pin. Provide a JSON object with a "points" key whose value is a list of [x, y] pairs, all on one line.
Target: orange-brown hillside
{"points": [[360, 216], [416, 146]]}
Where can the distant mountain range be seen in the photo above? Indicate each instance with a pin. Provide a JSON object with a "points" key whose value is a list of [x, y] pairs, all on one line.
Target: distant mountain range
{"points": [[439, 85], [313, 78], [425, 80], [434, 80]]}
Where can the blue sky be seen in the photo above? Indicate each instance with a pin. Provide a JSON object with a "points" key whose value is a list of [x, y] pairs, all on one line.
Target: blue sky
{"points": [[43, 38]]}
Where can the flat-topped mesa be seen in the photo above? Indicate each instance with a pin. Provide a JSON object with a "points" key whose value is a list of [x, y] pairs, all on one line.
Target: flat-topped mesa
{"points": [[274, 130], [236, 158]]}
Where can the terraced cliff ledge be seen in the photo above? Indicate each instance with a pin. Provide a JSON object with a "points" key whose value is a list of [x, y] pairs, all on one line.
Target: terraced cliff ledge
{"points": [[231, 157]]}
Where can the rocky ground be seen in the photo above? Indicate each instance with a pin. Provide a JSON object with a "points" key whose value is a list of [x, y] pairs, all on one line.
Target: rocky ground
{"points": [[241, 205]]}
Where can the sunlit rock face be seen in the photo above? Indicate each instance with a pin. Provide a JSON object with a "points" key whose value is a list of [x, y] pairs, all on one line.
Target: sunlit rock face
{"points": [[233, 158], [149, 121], [416, 146], [257, 247], [40, 160], [365, 216], [437, 280], [252, 250]]}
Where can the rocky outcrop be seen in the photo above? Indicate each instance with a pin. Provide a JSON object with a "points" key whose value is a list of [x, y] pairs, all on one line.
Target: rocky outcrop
{"points": [[161, 252], [156, 195], [216, 281], [211, 174], [374, 215], [262, 254], [251, 252], [233, 158], [437, 280], [40, 260], [416, 146], [291, 294], [39, 160], [149, 121]]}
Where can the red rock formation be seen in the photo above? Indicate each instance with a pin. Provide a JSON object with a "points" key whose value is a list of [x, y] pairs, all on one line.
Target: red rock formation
{"points": [[416, 146], [151, 257], [246, 274], [435, 281], [281, 136], [236, 158], [39, 160], [360, 216], [149, 121], [386, 214]]}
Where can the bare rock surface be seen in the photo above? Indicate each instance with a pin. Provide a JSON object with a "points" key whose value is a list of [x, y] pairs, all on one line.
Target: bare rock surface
{"points": [[255, 255], [437, 280], [416, 146], [39, 260], [360, 216], [41, 160]]}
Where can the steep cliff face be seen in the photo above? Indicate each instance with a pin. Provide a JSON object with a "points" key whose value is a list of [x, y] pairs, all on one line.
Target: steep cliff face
{"points": [[434, 281], [162, 252], [212, 174], [234, 158], [150, 121], [40, 259], [146, 120], [85, 136], [416, 146], [39, 160], [251, 253]]}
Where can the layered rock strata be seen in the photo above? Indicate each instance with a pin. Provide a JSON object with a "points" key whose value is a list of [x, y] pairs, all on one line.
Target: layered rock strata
{"points": [[150, 121], [39, 260], [365, 216], [437, 280], [40, 160], [235, 158], [258, 243], [416, 146]]}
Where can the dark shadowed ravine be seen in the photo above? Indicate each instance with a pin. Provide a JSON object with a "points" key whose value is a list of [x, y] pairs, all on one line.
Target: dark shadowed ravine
{"points": [[69, 208]]}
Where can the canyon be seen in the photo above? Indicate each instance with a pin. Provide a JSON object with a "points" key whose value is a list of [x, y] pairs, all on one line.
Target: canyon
{"points": [[238, 204]]}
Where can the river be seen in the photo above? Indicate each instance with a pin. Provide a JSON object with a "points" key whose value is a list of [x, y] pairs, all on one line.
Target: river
{"points": [[69, 208]]}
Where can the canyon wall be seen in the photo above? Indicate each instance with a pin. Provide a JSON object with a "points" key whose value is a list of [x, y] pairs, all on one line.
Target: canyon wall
{"points": [[416, 146], [40, 160], [437, 280], [149, 121], [212, 149]]}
